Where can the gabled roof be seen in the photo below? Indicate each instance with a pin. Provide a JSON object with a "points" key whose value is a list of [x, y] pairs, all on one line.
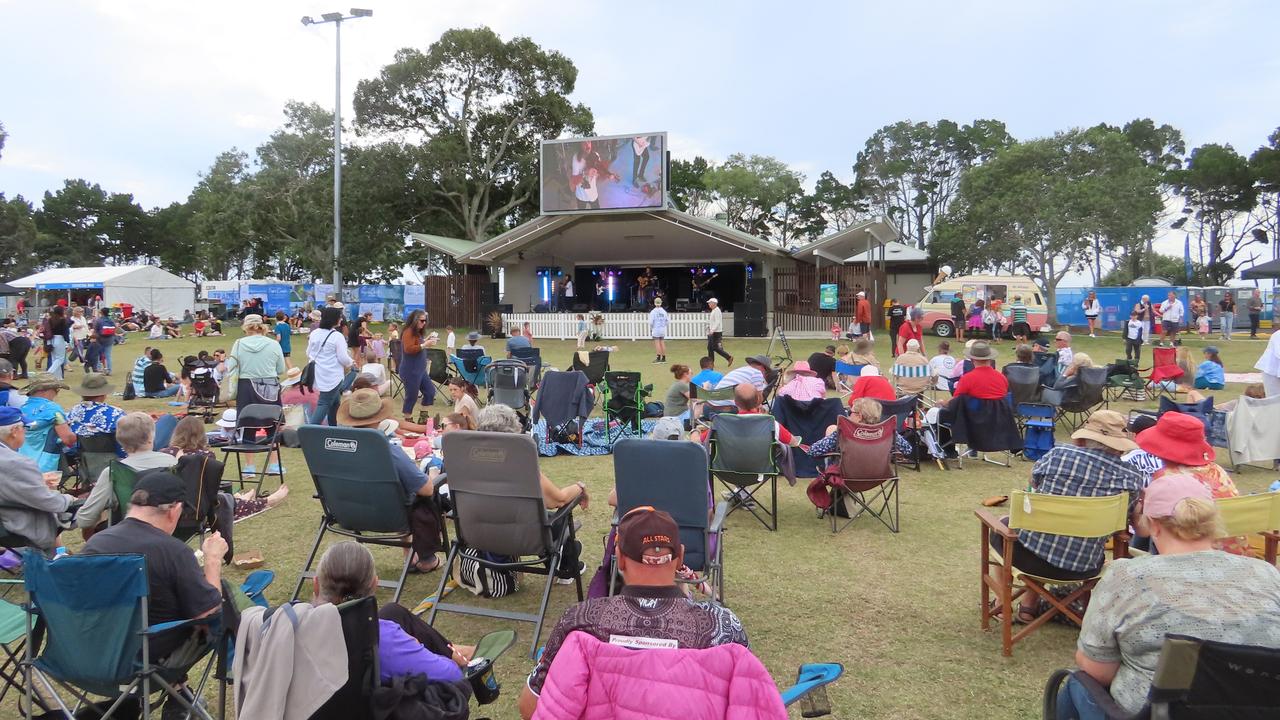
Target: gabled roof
{"points": [[894, 252], [658, 236], [839, 246], [91, 277], [446, 245]]}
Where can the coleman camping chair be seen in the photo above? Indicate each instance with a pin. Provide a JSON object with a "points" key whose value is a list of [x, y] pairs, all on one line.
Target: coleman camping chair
{"points": [[1078, 517], [671, 475], [864, 474], [360, 495], [500, 521]]}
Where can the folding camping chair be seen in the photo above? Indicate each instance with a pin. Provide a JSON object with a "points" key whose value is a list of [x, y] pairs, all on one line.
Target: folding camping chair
{"points": [[1123, 380], [469, 363], [254, 418], [843, 370], [107, 593], [1253, 515], [1038, 423], [13, 636], [705, 397], [96, 454], [498, 512], [202, 475], [1194, 679], [671, 475], [1024, 383], [508, 383], [984, 426], [532, 357], [906, 414], [742, 456], [360, 495], [438, 367], [864, 465], [354, 700], [1076, 404], [594, 367], [564, 400], [1081, 517], [623, 396], [1164, 368]]}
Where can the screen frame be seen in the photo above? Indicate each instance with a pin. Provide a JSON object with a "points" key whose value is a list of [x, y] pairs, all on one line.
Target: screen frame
{"points": [[664, 197]]}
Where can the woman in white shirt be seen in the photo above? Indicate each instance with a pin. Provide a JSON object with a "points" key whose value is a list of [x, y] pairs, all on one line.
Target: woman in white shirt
{"points": [[587, 191], [79, 333], [1092, 311]]}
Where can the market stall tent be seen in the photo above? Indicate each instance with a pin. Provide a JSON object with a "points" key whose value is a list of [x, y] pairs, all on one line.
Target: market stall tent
{"points": [[142, 286]]}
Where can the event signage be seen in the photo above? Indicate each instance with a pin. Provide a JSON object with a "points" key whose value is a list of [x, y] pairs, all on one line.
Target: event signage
{"points": [[601, 174], [415, 297], [828, 296]]}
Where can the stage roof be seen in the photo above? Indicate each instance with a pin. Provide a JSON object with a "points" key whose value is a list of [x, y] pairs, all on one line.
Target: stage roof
{"points": [[839, 247], [625, 238], [894, 252], [1263, 271]]}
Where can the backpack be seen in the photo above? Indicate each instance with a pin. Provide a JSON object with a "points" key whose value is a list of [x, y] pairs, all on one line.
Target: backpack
{"points": [[482, 581]]}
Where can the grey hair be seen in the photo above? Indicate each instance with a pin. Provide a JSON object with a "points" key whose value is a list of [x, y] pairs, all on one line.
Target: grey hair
{"points": [[345, 573], [135, 432], [9, 430], [496, 417]]}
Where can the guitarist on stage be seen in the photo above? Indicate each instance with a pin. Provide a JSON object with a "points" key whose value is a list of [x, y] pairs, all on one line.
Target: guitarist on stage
{"points": [[700, 285]]}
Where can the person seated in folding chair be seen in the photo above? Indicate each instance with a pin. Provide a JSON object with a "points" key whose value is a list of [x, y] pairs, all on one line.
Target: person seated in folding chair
{"points": [[1069, 379], [863, 411], [802, 383], [92, 415], [1090, 467], [136, 433], [178, 589], [501, 418], [463, 403], [754, 373], [364, 408], [943, 366], [406, 644], [651, 611], [28, 507], [1188, 589], [911, 372], [870, 384]]}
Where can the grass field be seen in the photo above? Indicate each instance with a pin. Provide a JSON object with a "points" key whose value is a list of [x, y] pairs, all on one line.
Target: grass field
{"points": [[899, 611]]}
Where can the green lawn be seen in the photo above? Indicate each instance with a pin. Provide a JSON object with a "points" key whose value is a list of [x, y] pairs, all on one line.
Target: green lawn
{"points": [[899, 611]]}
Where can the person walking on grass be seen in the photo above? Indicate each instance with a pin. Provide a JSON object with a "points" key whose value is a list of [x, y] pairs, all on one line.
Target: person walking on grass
{"points": [[658, 330], [1227, 306], [715, 333], [1255, 314]]}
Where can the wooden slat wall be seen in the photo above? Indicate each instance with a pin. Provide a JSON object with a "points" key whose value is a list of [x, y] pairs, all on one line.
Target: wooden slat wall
{"points": [[454, 299], [795, 296]]}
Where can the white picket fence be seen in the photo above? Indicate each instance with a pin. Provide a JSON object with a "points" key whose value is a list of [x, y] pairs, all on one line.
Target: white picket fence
{"points": [[617, 326]]}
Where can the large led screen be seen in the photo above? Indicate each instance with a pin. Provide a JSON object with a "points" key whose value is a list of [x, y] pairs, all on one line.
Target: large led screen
{"points": [[620, 172]]}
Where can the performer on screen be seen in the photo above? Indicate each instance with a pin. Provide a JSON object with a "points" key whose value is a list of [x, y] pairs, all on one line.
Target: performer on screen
{"points": [[640, 159], [587, 170], [587, 191]]}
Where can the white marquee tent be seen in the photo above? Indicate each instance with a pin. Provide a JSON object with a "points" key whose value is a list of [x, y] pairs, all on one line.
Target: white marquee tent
{"points": [[142, 286]]}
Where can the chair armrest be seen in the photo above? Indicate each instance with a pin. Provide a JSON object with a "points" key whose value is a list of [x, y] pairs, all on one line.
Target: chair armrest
{"points": [[1272, 538], [717, 520], [1100, 695], [810, 677], [566, 509], [158, 628], [993, 523]]}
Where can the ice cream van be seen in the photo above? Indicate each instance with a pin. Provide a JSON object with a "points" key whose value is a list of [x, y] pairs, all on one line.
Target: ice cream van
{"points": [[937, 301]]}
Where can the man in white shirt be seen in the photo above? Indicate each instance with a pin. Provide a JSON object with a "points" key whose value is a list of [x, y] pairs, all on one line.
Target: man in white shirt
{"points": [[1065, 354], [943, 365], [715, 333], [1171, 314], [658, 330], [753, 373], [1269, 365]]}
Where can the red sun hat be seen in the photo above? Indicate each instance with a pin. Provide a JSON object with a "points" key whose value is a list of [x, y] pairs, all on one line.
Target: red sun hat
{"points": [[1177, 438]]}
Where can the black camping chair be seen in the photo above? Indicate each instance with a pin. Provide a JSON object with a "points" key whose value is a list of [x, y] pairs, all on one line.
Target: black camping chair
{"points": [[743, 458], [671, 475], [623, 397], [532, 357], [498, 512], [1024, 383], [594, 368], [906, 411], [202, 475], [96, 454], [250, 422], [1077, 403], [1194, 679], [439, 369], [354, 700], [360, 495]]}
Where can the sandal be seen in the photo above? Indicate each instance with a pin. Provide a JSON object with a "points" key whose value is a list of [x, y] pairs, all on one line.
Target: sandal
{"points": [[1021, 617], [417, 569]]}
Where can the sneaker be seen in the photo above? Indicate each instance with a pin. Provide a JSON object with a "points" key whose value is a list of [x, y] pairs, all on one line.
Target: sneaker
{"points": [[582, 571], [274, 469], [249, 470], [657, 359]]}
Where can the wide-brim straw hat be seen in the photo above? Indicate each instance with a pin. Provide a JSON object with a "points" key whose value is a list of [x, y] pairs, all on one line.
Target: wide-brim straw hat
{"points": [[94, 385], [365, 408], [1109, 428]]}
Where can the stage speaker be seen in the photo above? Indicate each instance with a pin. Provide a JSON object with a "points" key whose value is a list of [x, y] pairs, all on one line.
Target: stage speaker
{"points": [[749, 319], [491, 294], [756, 289], [486, 309]]}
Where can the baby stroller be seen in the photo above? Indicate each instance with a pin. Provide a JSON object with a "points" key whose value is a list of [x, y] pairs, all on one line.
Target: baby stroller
{"points": [[508, 383], [203, 400]]}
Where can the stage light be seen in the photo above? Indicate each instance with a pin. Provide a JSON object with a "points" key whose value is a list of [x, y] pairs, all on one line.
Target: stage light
{"points": [[713, 270], [611, 289], [544, 288]]}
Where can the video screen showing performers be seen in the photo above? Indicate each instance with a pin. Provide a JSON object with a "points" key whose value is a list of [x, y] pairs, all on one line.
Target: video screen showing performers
{"points": [[604, 173]]}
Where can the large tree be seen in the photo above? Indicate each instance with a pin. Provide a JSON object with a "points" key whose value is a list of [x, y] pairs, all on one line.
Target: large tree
{"points": [[909, 172], [758, 193], [687, 185], [1218, 187], [1265, 162], [831, 207], [1036, 207], [91, 227], [21, 244], [480, 105]]}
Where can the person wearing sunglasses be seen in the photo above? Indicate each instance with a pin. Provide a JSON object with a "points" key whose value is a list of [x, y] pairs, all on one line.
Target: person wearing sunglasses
{"points": [[650, 611]]}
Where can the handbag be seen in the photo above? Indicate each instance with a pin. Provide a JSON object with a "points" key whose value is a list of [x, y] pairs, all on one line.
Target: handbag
{"points": [[231, 379], [308, 377]]}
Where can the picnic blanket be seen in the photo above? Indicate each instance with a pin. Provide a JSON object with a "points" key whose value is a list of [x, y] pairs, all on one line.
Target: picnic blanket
{"points": [[595, 439]]}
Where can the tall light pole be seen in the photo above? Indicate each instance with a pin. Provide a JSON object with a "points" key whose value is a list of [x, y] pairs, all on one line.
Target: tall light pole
{"points": [[336, 18]]}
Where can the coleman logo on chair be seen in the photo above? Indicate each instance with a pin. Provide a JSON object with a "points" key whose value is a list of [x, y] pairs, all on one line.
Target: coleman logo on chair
{"points": [[868, 433], [488, 455], [341, 445]]}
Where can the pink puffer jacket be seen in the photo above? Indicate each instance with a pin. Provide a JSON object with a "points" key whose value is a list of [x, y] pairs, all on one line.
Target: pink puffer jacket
{"points": [[592, 680]]}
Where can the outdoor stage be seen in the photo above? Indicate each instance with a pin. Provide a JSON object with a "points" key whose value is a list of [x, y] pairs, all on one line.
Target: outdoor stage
{"points": [[616, 325]]}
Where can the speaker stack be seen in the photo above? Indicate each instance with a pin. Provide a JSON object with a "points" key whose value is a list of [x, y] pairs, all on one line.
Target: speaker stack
{"points": [[749, 315], [756, 290]]}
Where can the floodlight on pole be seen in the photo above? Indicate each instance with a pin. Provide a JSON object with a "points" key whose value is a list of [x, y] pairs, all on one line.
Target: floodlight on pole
{"points": [[336, 18]]}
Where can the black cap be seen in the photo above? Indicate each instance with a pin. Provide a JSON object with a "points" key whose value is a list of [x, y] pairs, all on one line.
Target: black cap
{"points": [[158, 488]]}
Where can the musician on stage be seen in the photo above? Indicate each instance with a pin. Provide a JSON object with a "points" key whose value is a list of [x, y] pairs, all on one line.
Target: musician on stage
{"points": [[700, 284]]}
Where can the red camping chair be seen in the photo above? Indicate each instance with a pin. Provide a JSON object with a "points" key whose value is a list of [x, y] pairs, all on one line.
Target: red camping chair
{"points": [[1164, 367], [865, 473]]}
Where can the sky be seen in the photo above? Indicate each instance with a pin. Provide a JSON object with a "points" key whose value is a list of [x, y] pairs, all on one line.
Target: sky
{"points": [[141, 95]]}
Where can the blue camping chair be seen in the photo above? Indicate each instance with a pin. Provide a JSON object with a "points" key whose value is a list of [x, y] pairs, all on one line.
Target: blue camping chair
{"points": [[671, 475], [164, 432], [98, 637], [470, 364], [842, 370]]}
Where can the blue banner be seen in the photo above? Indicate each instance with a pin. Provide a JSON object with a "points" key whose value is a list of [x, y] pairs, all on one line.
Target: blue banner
{"points": [[274, 296]]}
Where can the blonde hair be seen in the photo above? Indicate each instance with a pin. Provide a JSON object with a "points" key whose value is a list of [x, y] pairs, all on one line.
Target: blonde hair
{"points": [[1193, 519], [188, 435], [867, 409], [1081, 360], [842, 350]]}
